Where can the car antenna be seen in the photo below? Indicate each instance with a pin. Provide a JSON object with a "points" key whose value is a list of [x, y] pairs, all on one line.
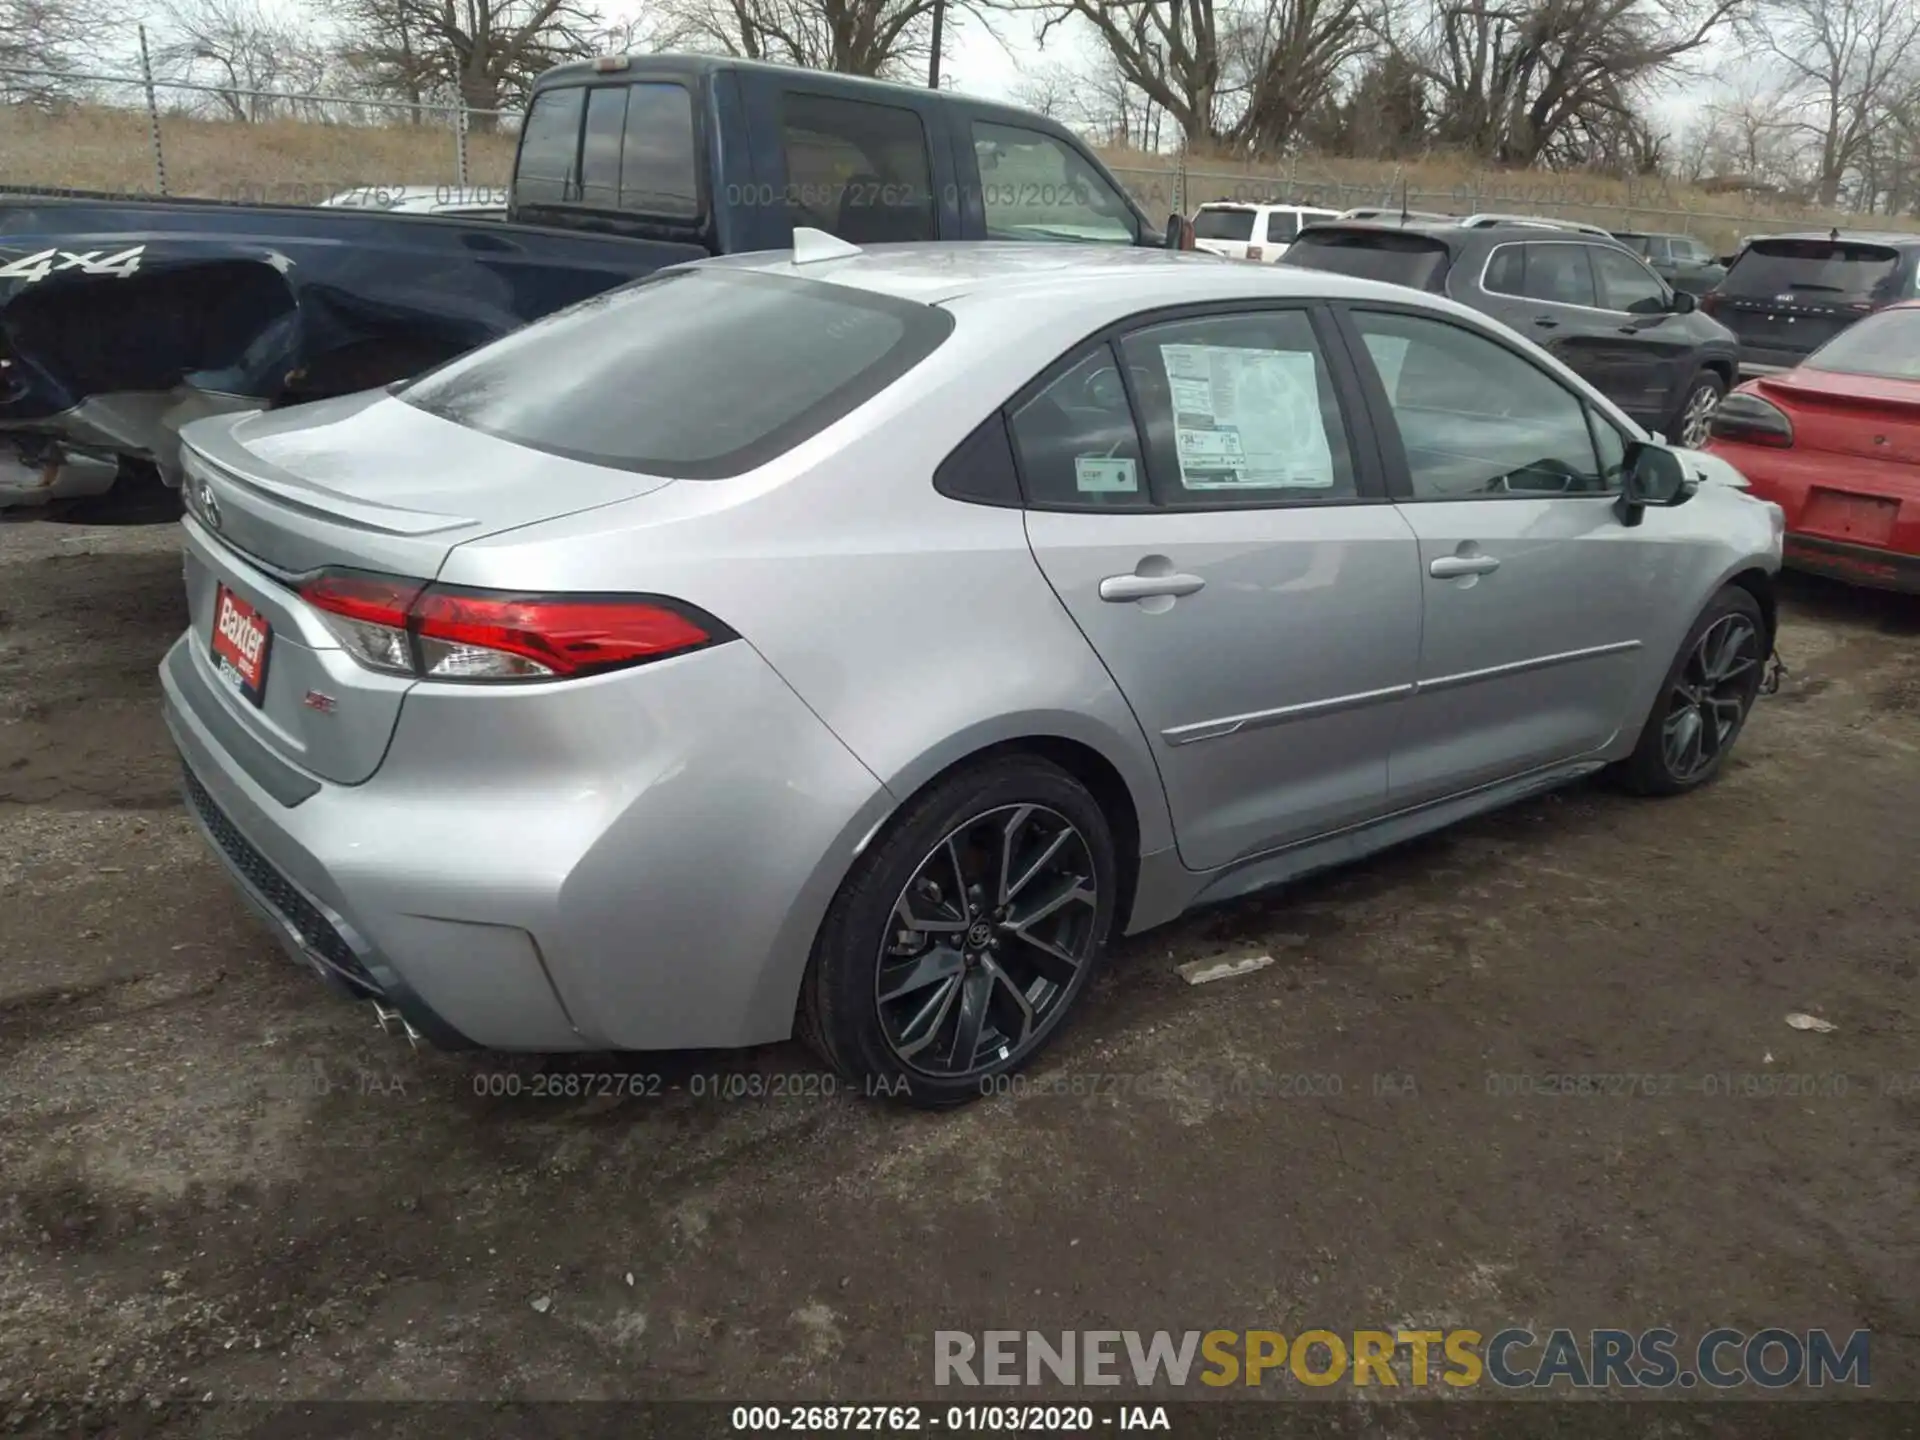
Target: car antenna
{"points": [[1834, 234], [1403, 201]]}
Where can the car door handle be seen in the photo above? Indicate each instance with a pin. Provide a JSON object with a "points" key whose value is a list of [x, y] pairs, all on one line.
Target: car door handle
{"points": [[1629, 329], [1546, 322], [1452, 567], [1121, 588]]}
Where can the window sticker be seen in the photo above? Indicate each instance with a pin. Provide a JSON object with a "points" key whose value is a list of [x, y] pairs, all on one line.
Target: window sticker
{"points": [[1104, 475], [1247, 418]]}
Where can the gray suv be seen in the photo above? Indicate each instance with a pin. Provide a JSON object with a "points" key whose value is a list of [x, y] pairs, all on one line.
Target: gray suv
{"points": [[1588, 300]]}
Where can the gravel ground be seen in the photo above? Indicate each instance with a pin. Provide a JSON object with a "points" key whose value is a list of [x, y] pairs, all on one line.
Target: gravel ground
{"points": [[217, 1179]]}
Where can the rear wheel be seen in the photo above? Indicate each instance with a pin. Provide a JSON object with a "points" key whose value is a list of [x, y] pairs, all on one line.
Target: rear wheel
{"points": [[1705, 701], [1696, 410], [965, 936]]}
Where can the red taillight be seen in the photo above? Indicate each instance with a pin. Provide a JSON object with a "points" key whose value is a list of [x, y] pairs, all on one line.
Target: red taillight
{"points": [[1745, 417], [437, 632], [460, 630], [1254, 252]]}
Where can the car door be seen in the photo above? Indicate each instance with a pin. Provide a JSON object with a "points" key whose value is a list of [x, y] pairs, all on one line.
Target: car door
{"points": [[1202, 503], [1649, 353], [1536, 600]]}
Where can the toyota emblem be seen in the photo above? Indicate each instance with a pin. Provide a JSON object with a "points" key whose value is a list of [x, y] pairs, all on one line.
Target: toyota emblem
{"points": [[209, 507]]}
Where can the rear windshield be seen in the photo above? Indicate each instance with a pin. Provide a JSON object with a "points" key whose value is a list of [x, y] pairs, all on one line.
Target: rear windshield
{"points": [[1885, 346], [1223, 225], [1639, 244], [1415, 260], [697, 374], [1813, 270]]}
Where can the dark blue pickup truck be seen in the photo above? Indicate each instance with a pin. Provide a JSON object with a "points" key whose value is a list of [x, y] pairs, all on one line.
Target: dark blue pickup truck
{"points": [[123, 319]]}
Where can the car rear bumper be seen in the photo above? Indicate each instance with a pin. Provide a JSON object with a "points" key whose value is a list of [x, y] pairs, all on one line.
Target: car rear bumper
{"points": [[1857, 564], [635, 861]]}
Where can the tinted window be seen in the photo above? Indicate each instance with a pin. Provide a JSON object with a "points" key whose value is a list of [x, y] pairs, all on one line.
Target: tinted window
{"points": [[1658, 248], [550, 147], [1639, 244], [1415, 260], [1626, 284], [1077, 443], [1885, 346], [1282, 226], [1036, 187], [1223, 225], [1506, 271], [659, 167], [1476, 419], [1812, 270], [857, 170], [697, 375], [1559, 274], [1239, 409], [600, 146]]}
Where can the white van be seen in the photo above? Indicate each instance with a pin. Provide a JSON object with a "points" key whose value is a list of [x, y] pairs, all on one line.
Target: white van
{"points": [[1251, 232]]}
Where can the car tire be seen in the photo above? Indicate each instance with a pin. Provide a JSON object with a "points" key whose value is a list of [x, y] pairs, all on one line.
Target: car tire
{"points": [[1697, 403], [1704, 701], [861, 1005]]}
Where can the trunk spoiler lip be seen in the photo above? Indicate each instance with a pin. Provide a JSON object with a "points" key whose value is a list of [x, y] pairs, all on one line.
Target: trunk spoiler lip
{"points": [[208, 451]]}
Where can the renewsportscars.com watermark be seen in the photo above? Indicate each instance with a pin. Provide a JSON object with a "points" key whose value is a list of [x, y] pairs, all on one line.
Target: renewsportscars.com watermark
{"points": [[1511, 1359]]}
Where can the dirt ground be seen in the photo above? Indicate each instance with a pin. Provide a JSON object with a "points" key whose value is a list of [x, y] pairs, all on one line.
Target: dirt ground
{"points": [[218, 1180]]}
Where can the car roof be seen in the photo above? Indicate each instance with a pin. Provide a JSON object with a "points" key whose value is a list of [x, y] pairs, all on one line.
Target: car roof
{"points": [[1870, 237], [935, 272]]}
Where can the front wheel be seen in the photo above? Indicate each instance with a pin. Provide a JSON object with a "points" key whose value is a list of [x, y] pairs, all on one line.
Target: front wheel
{"points": [[1705, 700], [965, 936]]}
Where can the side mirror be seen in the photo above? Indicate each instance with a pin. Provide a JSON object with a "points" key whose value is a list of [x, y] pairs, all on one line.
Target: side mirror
{"points": [[1179, 233], [1684, 302], [1654, 475]]}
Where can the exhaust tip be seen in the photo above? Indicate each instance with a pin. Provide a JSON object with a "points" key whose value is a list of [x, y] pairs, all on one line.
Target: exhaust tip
{"points": [[389, 1019]]}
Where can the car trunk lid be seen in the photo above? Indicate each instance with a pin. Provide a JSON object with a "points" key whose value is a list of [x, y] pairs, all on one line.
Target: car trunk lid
{"points": [[1850, 414], [366, 483]]}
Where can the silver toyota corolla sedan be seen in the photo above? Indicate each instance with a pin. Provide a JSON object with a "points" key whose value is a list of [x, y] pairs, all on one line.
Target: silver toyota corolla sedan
{"points": [[857, 642]]}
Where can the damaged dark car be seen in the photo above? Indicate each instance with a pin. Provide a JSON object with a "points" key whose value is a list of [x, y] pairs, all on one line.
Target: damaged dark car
{"points": [[122, 319]]}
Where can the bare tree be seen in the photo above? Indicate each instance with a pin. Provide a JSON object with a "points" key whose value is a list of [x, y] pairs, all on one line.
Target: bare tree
{"points": [[249, 56], [855, 37], [490, 51], [1847, 63], [1522, 81], [44, 38]]}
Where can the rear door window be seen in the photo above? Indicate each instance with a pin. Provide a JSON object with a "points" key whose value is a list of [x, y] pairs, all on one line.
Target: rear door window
{"points": [[1559, 275], [1625, 284], [1282, 226], [692, 374], [549, 166], [857, 170], [1812, 271], [1223, 225], [1037, 187], [1077, 444], [1395, 256], [1239, 410]]}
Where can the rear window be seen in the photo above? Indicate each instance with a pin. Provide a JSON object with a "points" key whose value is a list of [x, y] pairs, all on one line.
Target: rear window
{"points": [[695, 375], [1639, 244], [1415, 260], [1885, 346], [635, 151], [1223, 225], [1813, 270]]}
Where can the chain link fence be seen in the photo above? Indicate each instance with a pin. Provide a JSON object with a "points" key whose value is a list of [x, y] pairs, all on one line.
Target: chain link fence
{"points": [[142, 135]]}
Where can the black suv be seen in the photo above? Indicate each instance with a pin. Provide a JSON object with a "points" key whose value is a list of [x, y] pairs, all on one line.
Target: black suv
{"points": [[1787, 295], [1682, 261], [1589, 301]]}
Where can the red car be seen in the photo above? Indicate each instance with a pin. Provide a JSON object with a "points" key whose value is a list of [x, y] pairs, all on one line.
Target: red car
{"points": [[1835, 443]]}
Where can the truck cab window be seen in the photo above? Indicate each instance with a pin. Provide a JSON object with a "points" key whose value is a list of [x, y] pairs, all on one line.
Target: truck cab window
{"points": [[549, 167], [857, 170], [1034, 186], [638, 153]]}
